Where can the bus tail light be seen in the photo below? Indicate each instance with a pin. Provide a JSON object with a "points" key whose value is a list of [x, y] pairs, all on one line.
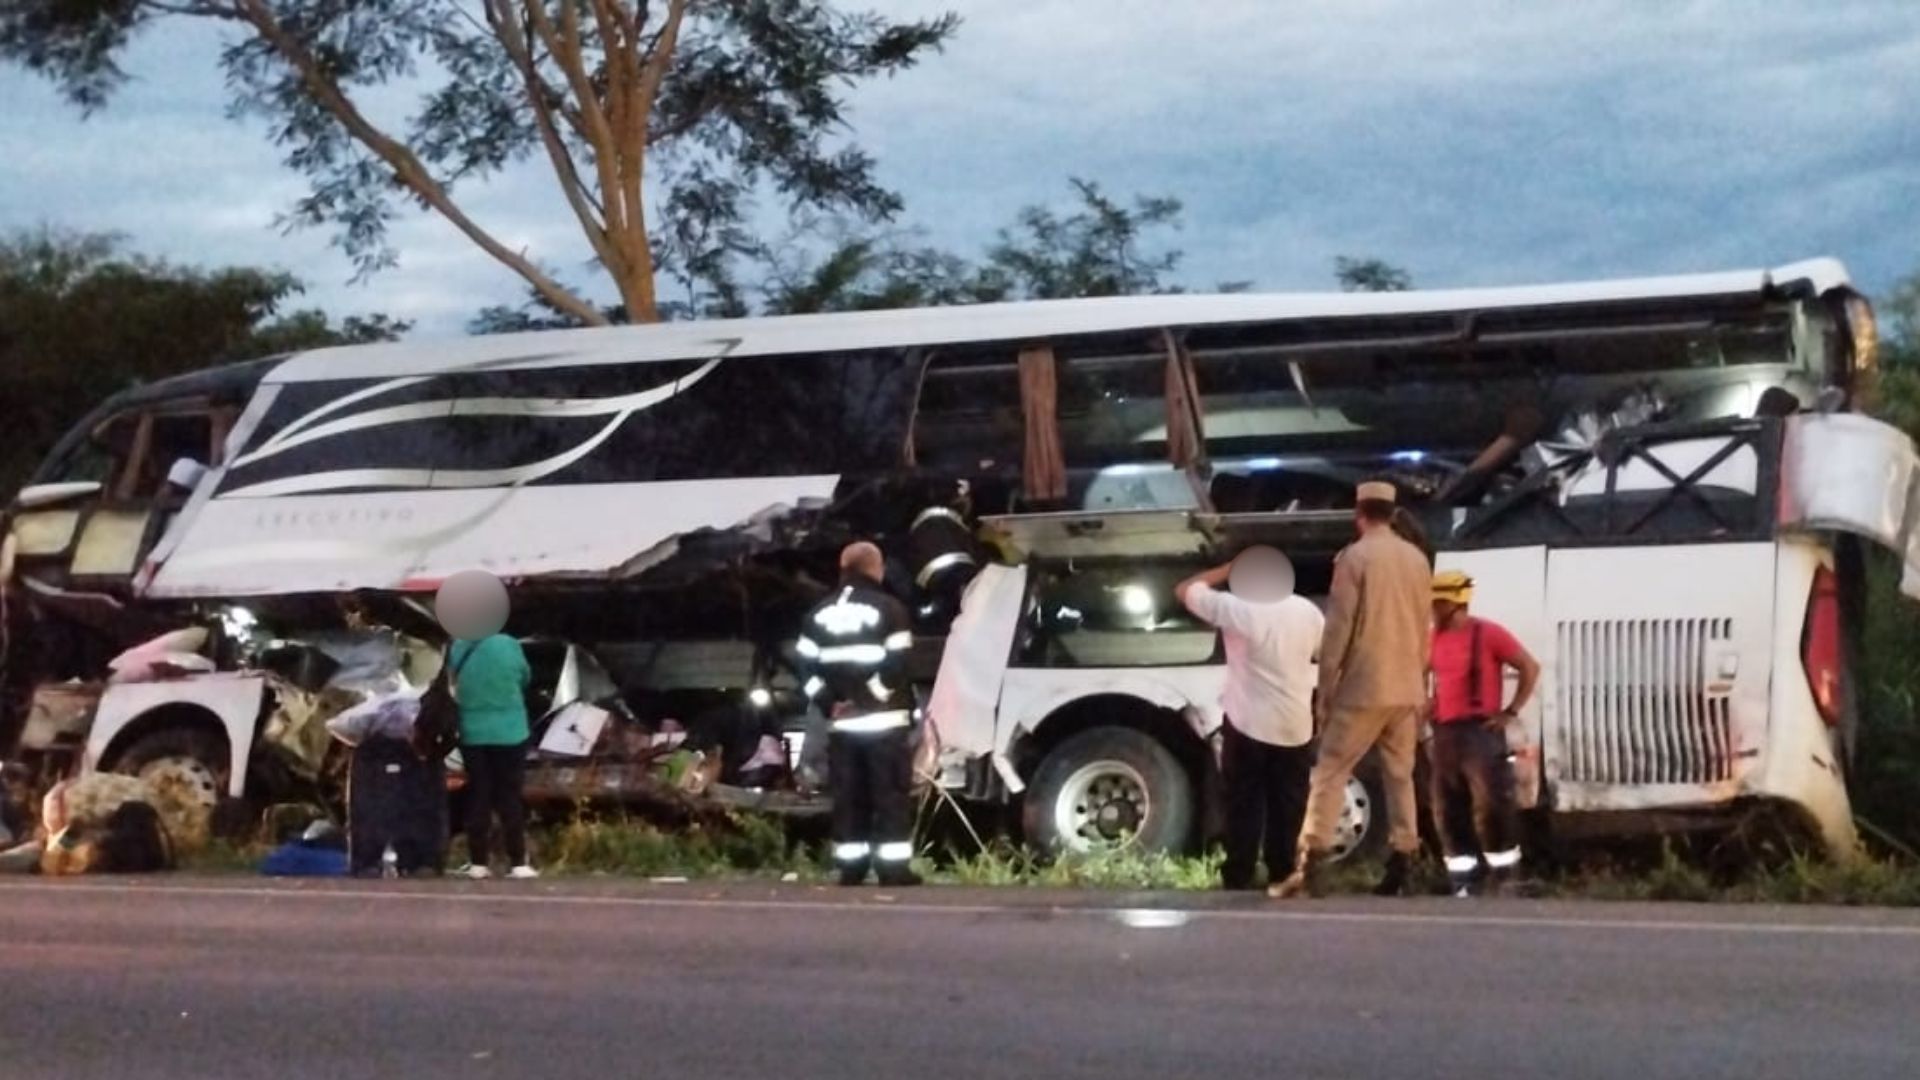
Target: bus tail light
{"points": [[1821, 651]]}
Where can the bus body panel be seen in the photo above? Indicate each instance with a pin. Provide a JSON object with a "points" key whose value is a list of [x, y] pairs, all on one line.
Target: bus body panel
{"points": [[1801, 761], [1664, 658], [412, 539]]}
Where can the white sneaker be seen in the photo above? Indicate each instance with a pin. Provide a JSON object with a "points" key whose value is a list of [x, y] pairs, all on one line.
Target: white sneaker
{"points": [[473, 873], [523, 872]]}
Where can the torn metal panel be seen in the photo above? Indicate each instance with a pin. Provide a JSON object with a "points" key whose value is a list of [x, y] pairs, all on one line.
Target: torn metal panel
{"points": [[1126, 534], [413, 539], [966, 692], [1854, 474], [60, 715]]}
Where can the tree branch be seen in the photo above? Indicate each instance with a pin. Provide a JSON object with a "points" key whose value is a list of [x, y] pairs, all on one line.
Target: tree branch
{"points": [[407, 166], [591, 217]]}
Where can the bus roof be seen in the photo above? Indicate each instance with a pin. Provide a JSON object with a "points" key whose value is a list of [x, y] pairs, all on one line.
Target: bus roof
{"points": [[1011, 322]]}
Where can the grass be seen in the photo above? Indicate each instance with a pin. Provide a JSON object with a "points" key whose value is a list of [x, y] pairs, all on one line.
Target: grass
{"points": [[747, 847]]}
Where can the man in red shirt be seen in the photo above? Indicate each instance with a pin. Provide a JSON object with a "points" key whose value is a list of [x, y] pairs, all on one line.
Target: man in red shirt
{"points": [[1473, 791]]}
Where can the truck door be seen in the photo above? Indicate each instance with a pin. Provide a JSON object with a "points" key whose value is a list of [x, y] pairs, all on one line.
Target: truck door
{"points": [[85, 530]]}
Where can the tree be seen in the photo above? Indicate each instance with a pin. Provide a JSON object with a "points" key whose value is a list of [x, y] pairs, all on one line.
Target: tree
{"points": [[1899, 319], [1093, 251], [1370, 275], [79, 319], [686, 107]]}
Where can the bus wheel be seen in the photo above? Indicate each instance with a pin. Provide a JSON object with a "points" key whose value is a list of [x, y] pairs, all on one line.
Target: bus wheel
{"points": [[188, 763], [1109, 788], [1361, 832]]}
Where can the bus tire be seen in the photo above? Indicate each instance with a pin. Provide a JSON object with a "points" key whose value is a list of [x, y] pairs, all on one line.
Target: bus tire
{"points": [[1360, 835], [1108, 788]]}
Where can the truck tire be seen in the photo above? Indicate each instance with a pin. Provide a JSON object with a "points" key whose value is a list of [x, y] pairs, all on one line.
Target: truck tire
{"points": [[181, 758], [1108, 788]]}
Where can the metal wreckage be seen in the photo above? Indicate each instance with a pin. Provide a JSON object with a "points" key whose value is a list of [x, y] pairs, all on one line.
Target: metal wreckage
{"points": [[1658, 484]]}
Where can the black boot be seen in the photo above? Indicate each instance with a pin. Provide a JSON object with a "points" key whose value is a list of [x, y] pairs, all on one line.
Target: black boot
{"points": [[1398, 880], [853, 873]]}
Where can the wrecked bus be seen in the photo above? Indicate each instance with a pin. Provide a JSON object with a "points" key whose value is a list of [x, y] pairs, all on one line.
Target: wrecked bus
{"points": [[1656, 483]]}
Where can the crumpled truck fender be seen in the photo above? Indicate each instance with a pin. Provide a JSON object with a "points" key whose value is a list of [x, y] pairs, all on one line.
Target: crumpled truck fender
{"points": [[234, 699], [1029, 696]]}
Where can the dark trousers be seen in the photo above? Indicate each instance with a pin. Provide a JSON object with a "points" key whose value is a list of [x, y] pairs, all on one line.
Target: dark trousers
{"points": [[496, 779], [1473, 796], [872, 778], [1266, 802]]}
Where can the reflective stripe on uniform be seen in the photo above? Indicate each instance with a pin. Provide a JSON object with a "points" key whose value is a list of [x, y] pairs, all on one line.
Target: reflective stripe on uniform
{"points": [[807, 647], [863, 655], [813, 685], [1504, 860], [871, 722], [899, 639], [878, 687], [846, 616], [895, 851], [1462, 864], [851, 852]]}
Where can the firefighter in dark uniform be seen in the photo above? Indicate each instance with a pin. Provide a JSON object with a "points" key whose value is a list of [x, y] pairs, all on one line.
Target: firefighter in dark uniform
{"points": [[854, 646]]}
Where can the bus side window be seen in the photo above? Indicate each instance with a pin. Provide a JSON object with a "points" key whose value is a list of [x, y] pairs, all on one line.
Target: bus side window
{"points": [[969, 417]]}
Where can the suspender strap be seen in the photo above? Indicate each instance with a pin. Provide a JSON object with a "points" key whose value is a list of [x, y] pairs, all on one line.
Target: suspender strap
{"points": [[1473, 671]]}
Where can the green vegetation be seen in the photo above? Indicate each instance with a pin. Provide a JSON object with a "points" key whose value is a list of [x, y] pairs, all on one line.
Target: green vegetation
{"points": [[1885, 782], [81, 318]]}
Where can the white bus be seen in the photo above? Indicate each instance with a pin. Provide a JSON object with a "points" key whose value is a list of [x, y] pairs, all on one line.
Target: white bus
{"points": [[1652, 481]]}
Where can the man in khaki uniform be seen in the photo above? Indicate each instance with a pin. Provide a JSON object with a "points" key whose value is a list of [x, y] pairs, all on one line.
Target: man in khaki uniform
{"points": [[1373, 683]]}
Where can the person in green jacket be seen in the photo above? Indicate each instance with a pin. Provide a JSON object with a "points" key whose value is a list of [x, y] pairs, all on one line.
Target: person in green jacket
{"points": [[490, 677]]}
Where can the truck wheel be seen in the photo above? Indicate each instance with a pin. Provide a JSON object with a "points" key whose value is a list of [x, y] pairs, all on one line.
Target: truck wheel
{"points": [[1107, 788], [178, 759]]}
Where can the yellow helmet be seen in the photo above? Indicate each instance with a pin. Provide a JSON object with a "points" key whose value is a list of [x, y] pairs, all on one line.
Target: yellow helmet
{"points": [[1452, 586]]}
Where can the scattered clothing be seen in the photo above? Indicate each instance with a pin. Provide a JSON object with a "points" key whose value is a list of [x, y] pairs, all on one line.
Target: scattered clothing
{"points": [[298, 858]]}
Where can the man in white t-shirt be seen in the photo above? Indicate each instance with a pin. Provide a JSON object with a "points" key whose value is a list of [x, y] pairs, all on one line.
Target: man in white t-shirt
{"points": [[1266, 758]]}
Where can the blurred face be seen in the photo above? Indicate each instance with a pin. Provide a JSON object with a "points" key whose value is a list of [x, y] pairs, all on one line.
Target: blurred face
{"points": [[471, 604], [1261, 574], [1445, 610]]}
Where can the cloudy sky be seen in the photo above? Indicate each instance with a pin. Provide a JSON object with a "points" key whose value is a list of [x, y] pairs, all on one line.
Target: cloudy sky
{"points": [[1472, 141]]}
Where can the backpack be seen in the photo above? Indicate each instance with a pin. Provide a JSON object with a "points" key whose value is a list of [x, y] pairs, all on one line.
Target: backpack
{"points": [[436, 727]]}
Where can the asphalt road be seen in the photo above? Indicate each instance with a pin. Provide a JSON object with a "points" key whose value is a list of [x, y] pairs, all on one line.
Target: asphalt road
{"points": [[234, 980]]}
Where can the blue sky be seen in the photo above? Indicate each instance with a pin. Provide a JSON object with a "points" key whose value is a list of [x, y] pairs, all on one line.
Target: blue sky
{"points": [[1474, 142]]}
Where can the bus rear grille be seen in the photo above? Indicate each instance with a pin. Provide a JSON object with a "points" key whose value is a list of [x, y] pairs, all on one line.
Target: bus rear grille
{"points": [[1634, 702]]}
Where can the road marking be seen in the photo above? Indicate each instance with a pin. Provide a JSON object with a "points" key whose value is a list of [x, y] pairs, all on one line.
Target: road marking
{"points": [[1292, 914]]}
